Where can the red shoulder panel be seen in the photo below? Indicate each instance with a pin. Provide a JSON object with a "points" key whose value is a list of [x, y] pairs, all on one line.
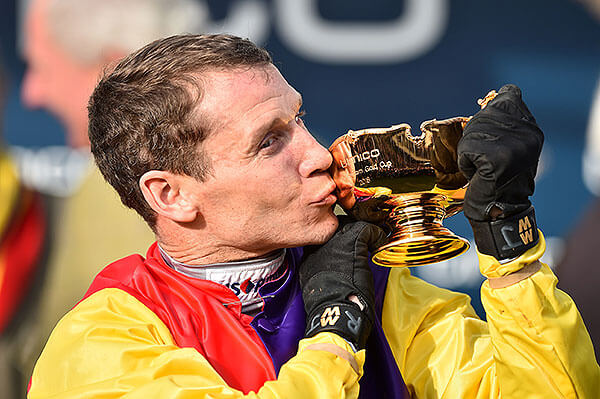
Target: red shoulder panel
{"points": [[195, 313]]}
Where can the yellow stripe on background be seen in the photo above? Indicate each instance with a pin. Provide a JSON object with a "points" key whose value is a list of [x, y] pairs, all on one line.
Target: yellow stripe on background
{"points": [[9, 190]]}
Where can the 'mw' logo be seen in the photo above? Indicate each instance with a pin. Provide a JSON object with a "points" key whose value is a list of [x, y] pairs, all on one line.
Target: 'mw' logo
{"points": [[330, 316], [525, 230]]}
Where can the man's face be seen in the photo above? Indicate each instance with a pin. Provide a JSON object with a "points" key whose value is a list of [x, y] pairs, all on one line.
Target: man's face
{"points": [[54, 80], [269, 187]]}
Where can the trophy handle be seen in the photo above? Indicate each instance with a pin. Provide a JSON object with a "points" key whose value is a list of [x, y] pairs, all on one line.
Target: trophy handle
{"points": [[417, 235], [407, 184]]}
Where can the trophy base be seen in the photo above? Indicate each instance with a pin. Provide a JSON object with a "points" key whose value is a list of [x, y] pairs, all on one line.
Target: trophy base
{"points": [[418, 236], [420, 251]]}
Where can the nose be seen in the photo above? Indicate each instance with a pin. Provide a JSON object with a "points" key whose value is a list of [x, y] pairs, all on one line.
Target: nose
{"points": [[31, 90], [316, 158]]}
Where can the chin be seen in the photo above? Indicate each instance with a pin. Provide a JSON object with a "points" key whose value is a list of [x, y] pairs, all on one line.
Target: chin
{"points": [[324, 231]]}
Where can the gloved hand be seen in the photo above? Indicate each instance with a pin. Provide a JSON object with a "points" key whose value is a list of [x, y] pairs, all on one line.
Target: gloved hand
{"points": [[499, 154], [442, 148], [332, 274]]}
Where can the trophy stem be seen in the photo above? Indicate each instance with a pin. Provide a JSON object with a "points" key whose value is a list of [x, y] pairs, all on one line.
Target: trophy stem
{"points": [[417, 234]]}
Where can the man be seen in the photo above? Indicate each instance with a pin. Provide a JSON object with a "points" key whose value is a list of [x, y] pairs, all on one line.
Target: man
{"points": [[67, 44], [203, 137]]}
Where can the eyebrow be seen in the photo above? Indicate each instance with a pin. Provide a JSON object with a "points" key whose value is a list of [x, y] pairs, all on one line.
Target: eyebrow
{"points": [[277, 121]]}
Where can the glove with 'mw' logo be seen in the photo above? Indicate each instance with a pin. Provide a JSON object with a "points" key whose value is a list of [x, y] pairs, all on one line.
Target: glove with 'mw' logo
{"points": [[337, 284], [499, 154]]}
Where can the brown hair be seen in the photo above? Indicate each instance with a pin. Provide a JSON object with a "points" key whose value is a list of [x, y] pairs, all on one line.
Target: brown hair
{"points": [[141, 113]]}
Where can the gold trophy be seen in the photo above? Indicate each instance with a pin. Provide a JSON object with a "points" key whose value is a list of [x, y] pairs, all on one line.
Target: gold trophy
{"points": [[405, 184]]}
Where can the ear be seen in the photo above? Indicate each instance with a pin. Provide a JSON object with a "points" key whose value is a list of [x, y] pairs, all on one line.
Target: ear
{"points": [[164, 192]]}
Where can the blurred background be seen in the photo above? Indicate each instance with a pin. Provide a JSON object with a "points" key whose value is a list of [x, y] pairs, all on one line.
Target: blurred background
{"points": [[373, 64], [365, 64]]}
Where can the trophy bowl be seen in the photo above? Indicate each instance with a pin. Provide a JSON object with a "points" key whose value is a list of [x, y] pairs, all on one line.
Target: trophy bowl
{"points": [[407, 185]]}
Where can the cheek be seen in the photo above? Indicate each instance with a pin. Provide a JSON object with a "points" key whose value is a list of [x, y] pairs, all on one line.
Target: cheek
{"points": [[251, 196], [282, 178], [279, 196], [269, 189]]}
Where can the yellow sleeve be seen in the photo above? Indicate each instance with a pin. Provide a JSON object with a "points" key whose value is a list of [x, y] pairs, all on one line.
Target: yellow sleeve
{"points": [[112, 346], [534, 344]]}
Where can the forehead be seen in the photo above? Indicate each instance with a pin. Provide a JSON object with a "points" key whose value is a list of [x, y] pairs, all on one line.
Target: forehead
{"points": [[230, 95]]}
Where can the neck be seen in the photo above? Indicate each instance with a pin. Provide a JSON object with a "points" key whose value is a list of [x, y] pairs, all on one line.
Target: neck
{"points": [[199, 255], [189, 247]]}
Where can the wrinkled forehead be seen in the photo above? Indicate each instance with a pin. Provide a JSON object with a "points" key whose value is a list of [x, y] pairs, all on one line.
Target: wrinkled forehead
{"points": [[229, 94]]}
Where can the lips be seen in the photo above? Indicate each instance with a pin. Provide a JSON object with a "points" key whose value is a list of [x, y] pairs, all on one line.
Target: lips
{"points": [[327, 196]]}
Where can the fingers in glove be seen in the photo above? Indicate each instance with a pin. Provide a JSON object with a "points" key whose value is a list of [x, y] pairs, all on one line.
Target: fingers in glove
{"points": [[510, 101], [368, 236], [481, 193]]}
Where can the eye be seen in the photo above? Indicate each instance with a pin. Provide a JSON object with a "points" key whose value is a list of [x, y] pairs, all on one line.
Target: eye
{"points": [[269, 141]]}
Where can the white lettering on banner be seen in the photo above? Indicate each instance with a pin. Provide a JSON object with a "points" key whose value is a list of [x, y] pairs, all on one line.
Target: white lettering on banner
{"points": [[412, 34], [302, 29]]}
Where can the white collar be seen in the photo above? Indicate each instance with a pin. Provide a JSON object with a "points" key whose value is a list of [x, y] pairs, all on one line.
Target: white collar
{"points": [[243, 277]]}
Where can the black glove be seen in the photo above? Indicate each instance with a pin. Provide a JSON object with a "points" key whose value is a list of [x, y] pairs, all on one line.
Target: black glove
{"points": [[499, 154], [332, 273]]}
